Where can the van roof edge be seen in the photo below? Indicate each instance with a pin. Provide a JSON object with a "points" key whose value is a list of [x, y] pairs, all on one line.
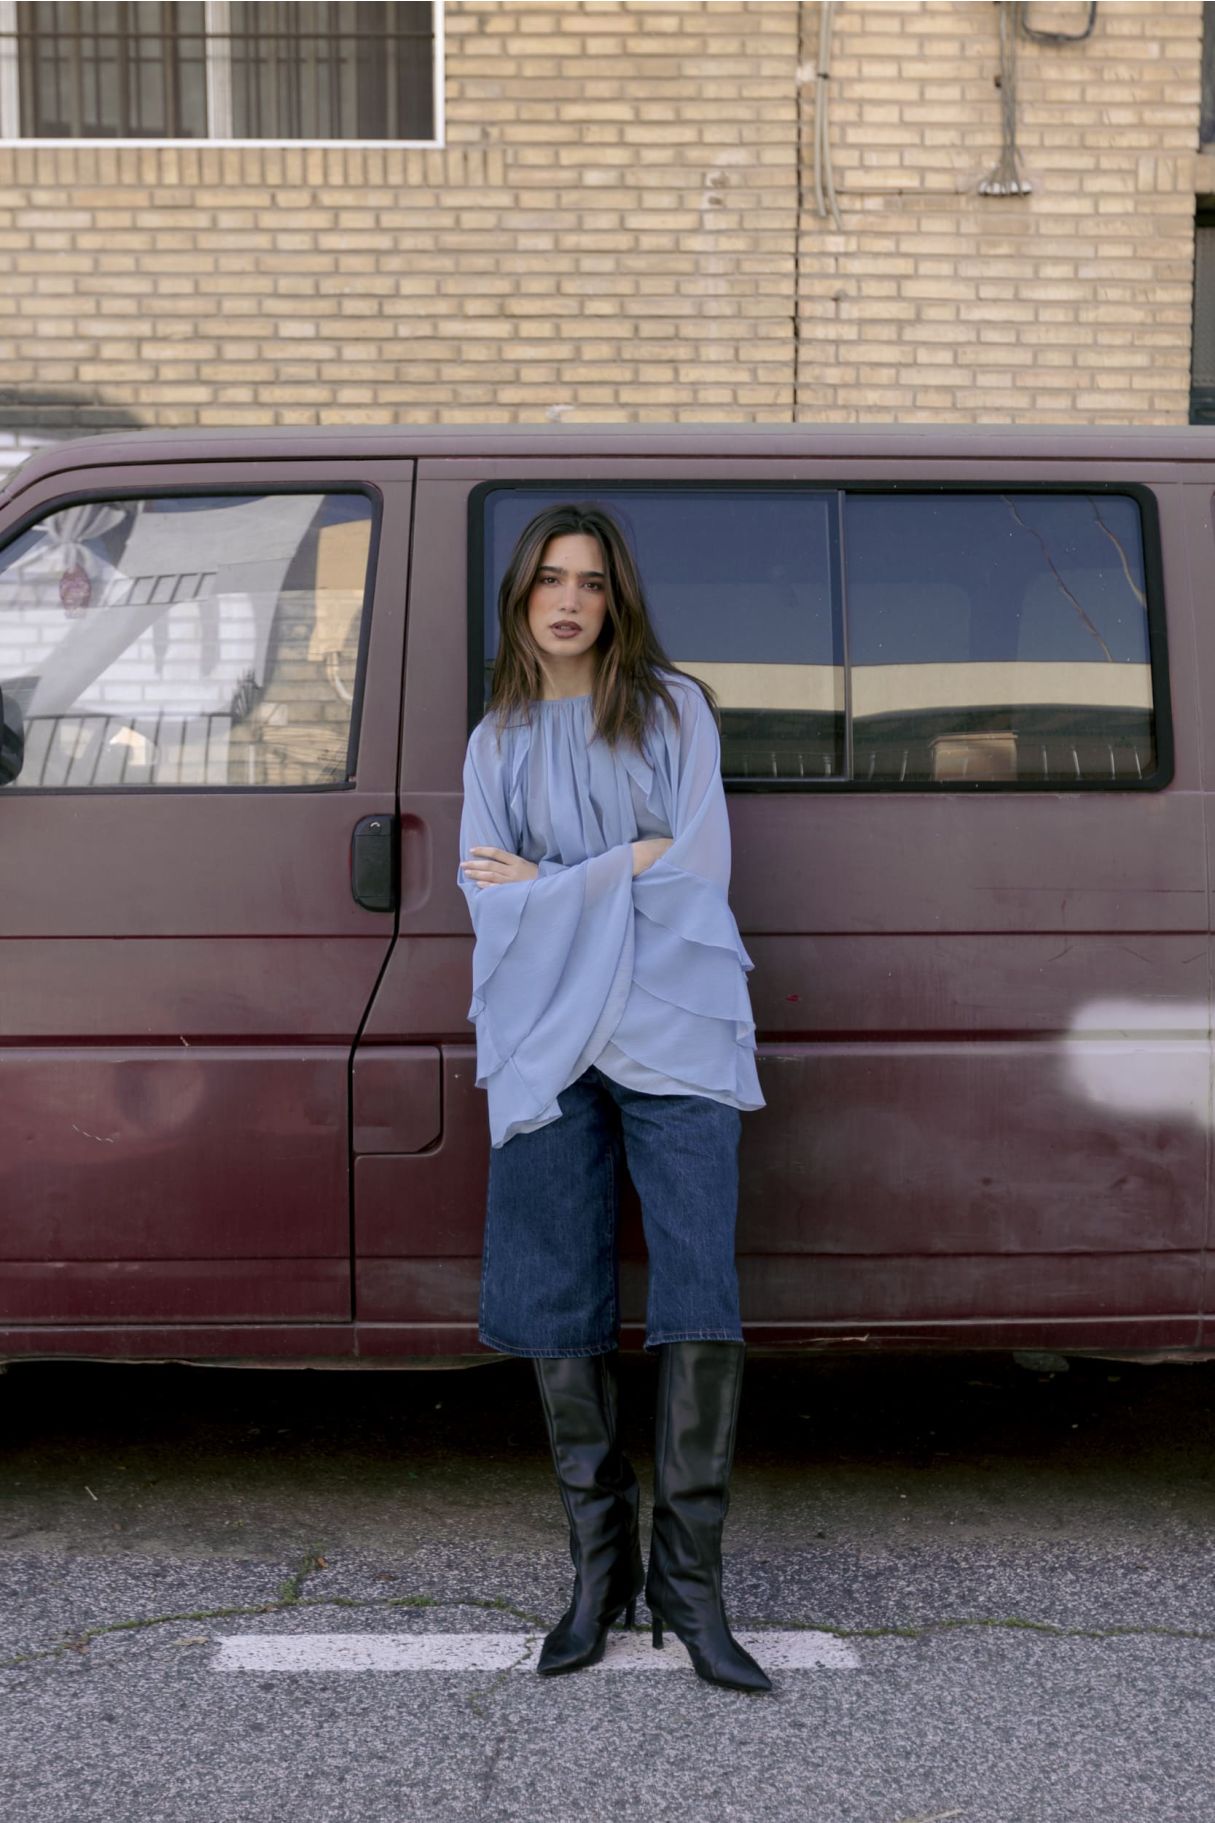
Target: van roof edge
{"points": [[1190, 442]]}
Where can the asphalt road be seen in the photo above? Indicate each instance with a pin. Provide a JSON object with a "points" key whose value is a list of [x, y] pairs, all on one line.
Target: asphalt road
{"points": [[1009, 1573]]}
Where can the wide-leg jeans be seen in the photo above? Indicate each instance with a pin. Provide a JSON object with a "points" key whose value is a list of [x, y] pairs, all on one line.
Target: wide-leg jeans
{"points": [[550, 1275]]}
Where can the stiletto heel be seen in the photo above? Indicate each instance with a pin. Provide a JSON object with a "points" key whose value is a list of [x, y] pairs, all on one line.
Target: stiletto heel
{"points": [[656, 1629], [630, 1613]]}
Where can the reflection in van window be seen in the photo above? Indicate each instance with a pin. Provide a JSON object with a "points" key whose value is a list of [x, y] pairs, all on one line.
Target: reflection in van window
{"points": [[740, 587], [189, 640], [998, 636]]}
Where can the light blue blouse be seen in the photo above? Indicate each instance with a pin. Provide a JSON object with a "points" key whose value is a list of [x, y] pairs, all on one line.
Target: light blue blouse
{"points": [[644, 977]]}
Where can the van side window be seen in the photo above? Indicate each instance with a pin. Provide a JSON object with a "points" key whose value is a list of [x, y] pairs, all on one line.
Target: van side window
{"points": [[192, 639], [880, 637], [740, 587], [998, 637]]}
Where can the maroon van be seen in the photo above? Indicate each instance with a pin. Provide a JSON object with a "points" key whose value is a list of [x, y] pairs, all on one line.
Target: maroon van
{"points": [[972, 791]]}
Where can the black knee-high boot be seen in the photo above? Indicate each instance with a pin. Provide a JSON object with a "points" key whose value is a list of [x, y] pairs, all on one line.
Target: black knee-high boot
{"points": [[601, 1499], [698, 1393]]}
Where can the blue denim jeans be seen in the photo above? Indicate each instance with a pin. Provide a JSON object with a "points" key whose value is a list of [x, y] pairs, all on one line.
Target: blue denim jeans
{"points": [[550, 1278]]}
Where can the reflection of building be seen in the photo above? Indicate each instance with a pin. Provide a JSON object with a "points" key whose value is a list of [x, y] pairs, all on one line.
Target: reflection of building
{"points": [[153, 669], [1028, 720], [605, 211]]}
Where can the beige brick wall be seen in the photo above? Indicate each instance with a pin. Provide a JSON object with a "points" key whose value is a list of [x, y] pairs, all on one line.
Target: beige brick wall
{"points": [[622, 226], [1073, 302]]}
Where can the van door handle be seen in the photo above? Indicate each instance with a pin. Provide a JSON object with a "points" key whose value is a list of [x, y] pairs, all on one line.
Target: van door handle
{"points": [[373, 863]]}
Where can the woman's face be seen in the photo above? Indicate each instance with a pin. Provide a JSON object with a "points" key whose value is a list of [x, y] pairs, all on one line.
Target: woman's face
{"points": [[570, 592]]}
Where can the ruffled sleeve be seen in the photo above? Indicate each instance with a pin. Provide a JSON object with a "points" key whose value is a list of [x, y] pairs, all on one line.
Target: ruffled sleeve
{"points": [[687, 950], [553, 958]]}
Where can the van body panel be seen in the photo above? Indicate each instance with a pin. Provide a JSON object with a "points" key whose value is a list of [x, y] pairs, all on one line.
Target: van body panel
{"points": [[1150, 451], [978, 1148], [115, 1153], [419, 1290], [425, 989], [796, 1299], [403, 1345], [1058, 1288], [965, 986], [971, 864], [428, 1202], [431, 900], [226, 1344], [204, 1289], [245, 870], [183, 975], [143, 989], [397, 1098]]}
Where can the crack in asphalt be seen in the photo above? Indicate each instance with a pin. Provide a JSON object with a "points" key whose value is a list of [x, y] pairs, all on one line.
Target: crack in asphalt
{"points": [[311, 1565], [1014, 1622], [290, 1595], [527, 1646]]}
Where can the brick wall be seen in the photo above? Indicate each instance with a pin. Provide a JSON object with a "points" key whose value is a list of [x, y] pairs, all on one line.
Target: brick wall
{"points": [[622, 226], [1072, 302]]}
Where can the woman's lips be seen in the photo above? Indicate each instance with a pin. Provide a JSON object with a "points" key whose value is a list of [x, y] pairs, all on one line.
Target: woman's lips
{"points": [[565, 629]]}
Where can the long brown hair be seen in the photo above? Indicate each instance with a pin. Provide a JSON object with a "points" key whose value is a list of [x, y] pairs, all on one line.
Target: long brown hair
{"points": [[631, 657]]}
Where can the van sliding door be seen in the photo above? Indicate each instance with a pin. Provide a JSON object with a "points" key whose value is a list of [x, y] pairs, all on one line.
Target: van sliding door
{"points": [[968, 846]]}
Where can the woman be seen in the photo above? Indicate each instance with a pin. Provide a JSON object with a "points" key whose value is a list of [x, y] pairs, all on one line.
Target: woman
{"points": [[612, 1016]]}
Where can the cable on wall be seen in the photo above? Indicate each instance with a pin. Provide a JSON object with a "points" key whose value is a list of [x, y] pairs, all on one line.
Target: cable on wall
{"points": [[1006, 177], [824, 181], [1029, 31]]}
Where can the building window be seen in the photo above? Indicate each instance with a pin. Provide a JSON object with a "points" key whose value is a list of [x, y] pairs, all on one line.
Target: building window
{"points": [[111, 72], [275, 70]]}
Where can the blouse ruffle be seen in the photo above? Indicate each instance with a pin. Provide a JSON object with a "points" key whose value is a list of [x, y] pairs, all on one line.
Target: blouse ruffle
{"points": [[645, 976]]}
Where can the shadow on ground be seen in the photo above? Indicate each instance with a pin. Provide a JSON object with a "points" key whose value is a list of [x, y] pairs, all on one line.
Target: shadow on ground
{"points": [[203, 1461]]}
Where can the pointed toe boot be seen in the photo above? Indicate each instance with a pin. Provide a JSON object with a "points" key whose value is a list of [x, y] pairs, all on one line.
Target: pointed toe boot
{"points": [[602, 1501], [699, 1384]]}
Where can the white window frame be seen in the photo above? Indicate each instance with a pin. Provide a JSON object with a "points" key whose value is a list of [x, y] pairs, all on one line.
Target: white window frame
{"points": [[219, 94]]}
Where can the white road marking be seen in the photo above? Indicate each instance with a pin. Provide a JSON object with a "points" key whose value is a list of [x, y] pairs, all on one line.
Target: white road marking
{"points": [[784, 1651]]}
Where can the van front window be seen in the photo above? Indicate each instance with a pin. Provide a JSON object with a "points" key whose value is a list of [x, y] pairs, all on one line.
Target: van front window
{"points": [[203, 639]]}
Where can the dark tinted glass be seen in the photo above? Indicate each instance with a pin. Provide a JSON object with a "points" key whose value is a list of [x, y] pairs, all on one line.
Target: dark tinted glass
{"points": [[316, 69], [998, 636], [739, 583], [112, 71], [346, 69]]}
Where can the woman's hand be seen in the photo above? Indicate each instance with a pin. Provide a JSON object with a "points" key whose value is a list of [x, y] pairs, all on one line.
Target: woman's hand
{"points": [[495, 867], [649, 850]]}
